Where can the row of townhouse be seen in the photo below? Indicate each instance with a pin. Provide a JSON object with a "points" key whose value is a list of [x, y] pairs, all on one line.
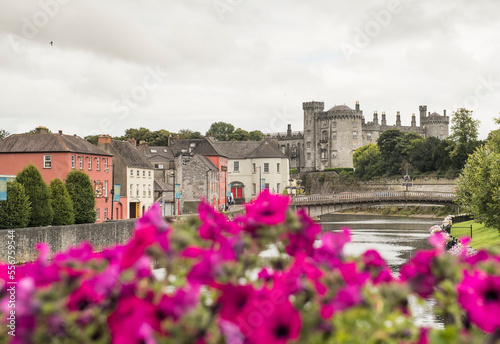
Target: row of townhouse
{"points": [[55, 155]]}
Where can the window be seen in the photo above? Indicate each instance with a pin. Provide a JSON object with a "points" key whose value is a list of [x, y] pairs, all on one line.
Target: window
{"points": [[131, 189], [334, 154], [308, 145], [254, 168], [278, 188], [334, 135], [137, 190], [131, 173], [144, 174], [98, 164], [81, 163], [266, 167], [369, 136], [354, 134], [354, 124], [138, 173], [266, 186], [153, 150], [105, 213], [254, 189], [90, 163], [283, 149], [144, 189], [236, 167], [324, 135], [97, 214], [164, 150], [105, 188], [323, 154], [159, 166], [149, 174], [278, 167], [73, 161], [334, 124], [440, 127], [149, 190], [105, 163], [308, 156], [47, 161]]}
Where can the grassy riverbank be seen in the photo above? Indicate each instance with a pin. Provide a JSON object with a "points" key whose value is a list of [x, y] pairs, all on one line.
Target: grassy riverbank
{"points": [[482, 237], [438, 212]]}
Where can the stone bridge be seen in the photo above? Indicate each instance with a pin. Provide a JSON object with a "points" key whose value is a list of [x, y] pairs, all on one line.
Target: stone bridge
{"points": [[318, 205]]}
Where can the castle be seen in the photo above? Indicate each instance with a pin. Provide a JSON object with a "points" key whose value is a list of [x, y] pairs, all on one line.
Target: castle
{"points": [[330, 137]]}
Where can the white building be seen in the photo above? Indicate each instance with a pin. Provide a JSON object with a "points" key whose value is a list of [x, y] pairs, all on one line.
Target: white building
{"points": [[254, 166]]}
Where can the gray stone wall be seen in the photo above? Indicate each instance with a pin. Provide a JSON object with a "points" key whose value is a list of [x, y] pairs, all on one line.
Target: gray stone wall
{"points": [[59, 238]]}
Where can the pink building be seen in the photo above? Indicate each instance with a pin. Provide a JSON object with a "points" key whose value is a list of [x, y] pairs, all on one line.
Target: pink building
{"points": [[55, 155]]}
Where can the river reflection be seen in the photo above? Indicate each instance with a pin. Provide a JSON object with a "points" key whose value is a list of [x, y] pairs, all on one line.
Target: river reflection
{"points": [[397, 239]]}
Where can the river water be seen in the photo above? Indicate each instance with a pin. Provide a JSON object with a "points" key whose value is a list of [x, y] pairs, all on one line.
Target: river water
{"points": [[397, 239]]}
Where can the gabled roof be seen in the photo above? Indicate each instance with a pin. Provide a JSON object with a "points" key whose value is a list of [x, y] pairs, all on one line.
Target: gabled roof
{"points": [[237, 149], [159, 152], [209, 164], [48, 143], [130, 154], [208, 148], [184, 146], [267, 149], [161, 186]]}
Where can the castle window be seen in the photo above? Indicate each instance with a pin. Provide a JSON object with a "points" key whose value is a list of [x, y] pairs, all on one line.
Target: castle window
{"points": [[308, 144], [334, 154], [334, 135], [308, 132], [354, 134], [324, 135], [323, 154], [334, 124], [354, 124], [283, 149], [369, 136], [308, 156], [440, 127]]}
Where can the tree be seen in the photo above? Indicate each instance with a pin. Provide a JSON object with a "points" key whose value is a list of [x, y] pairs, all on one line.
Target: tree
{"points": [[390, 151], [15, 212], [366, 161], [94, 139], [187, 134], [81, 193], [256, 135], [220, 131], [38, 195], [3, 134], [239, 135], [61, 204], [464, 134]]}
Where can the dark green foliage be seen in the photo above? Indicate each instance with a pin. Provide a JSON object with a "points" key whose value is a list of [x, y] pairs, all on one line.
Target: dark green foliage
{"points": [[38, 194], [187, 134], [16, 210], [61, 204], [3, 134], [339, 169], [81, 193], [293, 170], [221, 131]]}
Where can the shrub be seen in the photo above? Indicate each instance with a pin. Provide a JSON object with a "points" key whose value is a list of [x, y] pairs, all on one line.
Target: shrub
{"points": [[81, 192], [38, 195], [218, 287], [61, 204], [16, 210]]}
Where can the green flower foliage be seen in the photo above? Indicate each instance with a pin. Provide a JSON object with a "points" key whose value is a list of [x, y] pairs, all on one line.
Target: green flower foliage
{"points": [[61, 204], [81, 193], [16, 210], [38, 194]]}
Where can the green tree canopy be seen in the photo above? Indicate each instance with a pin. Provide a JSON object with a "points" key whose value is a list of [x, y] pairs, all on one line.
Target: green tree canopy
{"points": [[256, 135], [3, 134], [15, 212], [61, 204], [464, 135], [81, 193], [366, 161], [38, 194], [221, 131], [187, 134]]}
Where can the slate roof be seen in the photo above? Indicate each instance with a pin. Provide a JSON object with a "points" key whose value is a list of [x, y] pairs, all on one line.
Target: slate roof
{"points": [[130, 154], [161, 186], [159, 153], [48, 143], [434, 114], [184, 146], [267, 149], [340, 108], [208, 148], [237, 149], [209, 164]]}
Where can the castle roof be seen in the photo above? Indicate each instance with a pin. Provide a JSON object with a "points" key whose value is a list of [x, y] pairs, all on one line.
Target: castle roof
{"points": [[434, 114], [340, 108]]}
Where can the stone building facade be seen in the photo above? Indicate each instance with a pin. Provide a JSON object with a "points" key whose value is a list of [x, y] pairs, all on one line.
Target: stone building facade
{"points": [[330, 137]]}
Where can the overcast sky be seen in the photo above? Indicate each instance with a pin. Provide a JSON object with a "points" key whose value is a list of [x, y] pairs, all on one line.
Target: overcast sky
{"points": [[184, 64]]}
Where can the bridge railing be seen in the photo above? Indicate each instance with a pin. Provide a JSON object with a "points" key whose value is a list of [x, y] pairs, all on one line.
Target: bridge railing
{"points": [[374, 196]]}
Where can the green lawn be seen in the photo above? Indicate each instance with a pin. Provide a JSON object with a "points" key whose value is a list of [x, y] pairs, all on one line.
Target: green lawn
{"points": [[482, 237]]}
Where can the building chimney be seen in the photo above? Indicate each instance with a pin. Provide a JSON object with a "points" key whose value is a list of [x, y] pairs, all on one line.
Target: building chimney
{"points": [[363, 119], [375, 117], [413, 120], [169, 140], [104, 139], [42, 130], [357, 105], [60, 132], [444, 112], [384, 121], [289, 131], [132, 141], [398, 119]]}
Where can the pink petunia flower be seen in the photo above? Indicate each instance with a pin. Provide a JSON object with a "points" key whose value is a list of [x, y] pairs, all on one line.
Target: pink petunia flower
{"points": [[479, 295], [417, 272], [331, 250], [303, 240], [175, 306], [268, 209]]}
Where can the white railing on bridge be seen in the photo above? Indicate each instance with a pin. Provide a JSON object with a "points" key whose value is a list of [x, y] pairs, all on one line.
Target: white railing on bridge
{"points": [[374, 196]]}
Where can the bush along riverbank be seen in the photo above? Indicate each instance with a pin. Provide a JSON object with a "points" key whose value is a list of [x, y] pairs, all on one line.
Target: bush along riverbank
{"points": [[427, 211]]}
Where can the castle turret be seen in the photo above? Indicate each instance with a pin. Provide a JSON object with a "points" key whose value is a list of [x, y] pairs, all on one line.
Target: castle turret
{"points": [[375, 118], [357, 105], [413, 120], [384, 121], [398, 119], [289, 131], [423, 110]]}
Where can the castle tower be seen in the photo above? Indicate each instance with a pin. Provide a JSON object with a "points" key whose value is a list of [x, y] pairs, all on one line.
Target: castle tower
{"points": [[375, 118], [423, 110], [384, 121], [312, 110], [413, 120], [398, 119]]}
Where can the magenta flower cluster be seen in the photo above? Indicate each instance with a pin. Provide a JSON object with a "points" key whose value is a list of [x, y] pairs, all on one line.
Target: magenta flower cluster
{"points": [[220, 288]]}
